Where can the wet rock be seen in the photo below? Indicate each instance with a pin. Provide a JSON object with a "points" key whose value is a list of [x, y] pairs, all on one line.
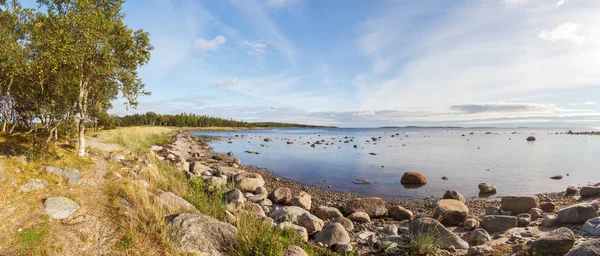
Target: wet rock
{"points": [[550, 221], [530, 138], [60, 207], [578, 213], [556, 242], [556, 177], [535, 213], [486, 188], [480, 250], [200, 234], [327, 213], [333, 234], [345, 222], [587, 248], [280, 195], [592, 226], [248, 181], [589, 191], [451, 212], [400, 213], [287, 213], [311, 223], [373, 206], [173, 203], [413, 178], [303, 200], [524, 219], [479, 236], [359, 217], [493, 223], [70, 175], [571, 191], [294, 250], [452, 194], [425, 225], [34, 184], [519, 204]]}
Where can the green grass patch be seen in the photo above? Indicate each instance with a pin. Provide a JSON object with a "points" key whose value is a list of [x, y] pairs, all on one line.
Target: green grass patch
{"points": [[31, 236]]}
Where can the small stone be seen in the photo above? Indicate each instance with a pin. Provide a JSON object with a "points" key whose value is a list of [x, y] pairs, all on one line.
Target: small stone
{"points": [[493, 223], [556, 242], [345, 222], [548, 207], [479, 236], [326, 213], [451, 212], [486, 188], [519, 204], [373, 206], [524, 219], [550, 221], [391, 230], [535, 213], [479, 250], [452, 194], [413, 178], [470, 223], [303, 200], [578, 213], [280, 195]]}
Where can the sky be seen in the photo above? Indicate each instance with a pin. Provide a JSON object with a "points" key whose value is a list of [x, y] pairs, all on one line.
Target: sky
{"points": [[375, 63]]}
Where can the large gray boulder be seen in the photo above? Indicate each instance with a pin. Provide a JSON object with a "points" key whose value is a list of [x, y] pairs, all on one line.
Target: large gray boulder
{"points": [[33, 184], [333, 234], [345, 222], [587, 248], [494, 223], [60, 207], [70, 175], [519, 204], [326, 213], [288, 213], [426, 226], [451, 212], [373, 206], [578, 213], [248, 181], [311, 222], [588, 191], [556, 242], [592, 226], [200, 234]]}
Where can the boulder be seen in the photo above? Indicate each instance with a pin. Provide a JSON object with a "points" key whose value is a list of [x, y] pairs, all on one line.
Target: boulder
{"points": [[592, 226], [578, 213], [333, 234], [200, 234], [326, 213], [523, 219], [345, 222], [237, 161], [359, 217], [59, 207], [311, 222], [479, 236], [303, 200], [198, 168], [494, 223], [535, 213], [480, 250], [451, 212], [571, 191], [173, 203], [518, 204], [230, 172], [400, 213], [549, 221], [70, 175], [33, 184], [589, 191], [373, 206], [294, 250], [427, 226], [248, 181], [301, 231], [413, 178], [453, 194], [233, 197], [280, 195], [530, 138], [344, 248], [548, 206], [486, 188], [587, 248], [556, 242], [257, 210], [260, 194], [287, 213]]}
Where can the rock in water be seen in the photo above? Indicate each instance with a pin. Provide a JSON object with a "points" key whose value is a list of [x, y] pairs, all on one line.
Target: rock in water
{"points": [[486, 188], [452, 194], [587, 248], [60, 207], [556, 242], [493, 223], [530, 138], [413, 178], [592, 226], [426, 226], [589, 191], [519, 204], [200, 234], [333, 234], [34, 184], [373, 206], [281, 195], [451, 212], [71, 175], [578, 213], [556, 177]]}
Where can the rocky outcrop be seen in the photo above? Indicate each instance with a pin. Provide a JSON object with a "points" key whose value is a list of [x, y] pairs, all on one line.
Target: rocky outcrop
{"points": [[427, 226], [450, 212], [373, 206], [60, 207], [333, 234], [200, 234], [556, 242], [70, 175], [494, 223], [413, 178], [519, 204], [578, 213]]}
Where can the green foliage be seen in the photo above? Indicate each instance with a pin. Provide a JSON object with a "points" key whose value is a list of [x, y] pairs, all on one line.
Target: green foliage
{"points": [[125, 243]]}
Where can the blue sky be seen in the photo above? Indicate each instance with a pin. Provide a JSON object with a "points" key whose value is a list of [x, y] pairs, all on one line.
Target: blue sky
{"points": [[374, 63]]}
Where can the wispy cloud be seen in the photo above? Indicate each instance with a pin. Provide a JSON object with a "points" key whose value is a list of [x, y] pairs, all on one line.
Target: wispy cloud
{"points": [[503, 108], [227, 82], [209, 45], [565, 32], [590, 103], [279, 4], [255, 48]]}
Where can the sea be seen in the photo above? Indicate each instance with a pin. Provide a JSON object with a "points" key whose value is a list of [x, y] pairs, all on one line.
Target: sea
{"points": [[466, 156]]}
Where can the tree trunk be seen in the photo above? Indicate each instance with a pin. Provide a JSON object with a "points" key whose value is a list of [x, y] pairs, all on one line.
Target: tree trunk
{"points": [[82, 106], [81, 144]]}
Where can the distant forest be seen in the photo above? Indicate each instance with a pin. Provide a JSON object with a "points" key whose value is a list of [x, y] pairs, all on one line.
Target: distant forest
{"points": [[185, 120]]}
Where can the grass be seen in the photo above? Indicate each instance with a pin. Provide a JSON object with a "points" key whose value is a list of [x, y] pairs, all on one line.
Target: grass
{"points": [[137, 139]]}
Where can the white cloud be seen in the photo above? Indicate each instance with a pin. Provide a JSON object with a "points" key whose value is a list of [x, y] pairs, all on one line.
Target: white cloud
{"points": [[559, 3], [279, 4], [256, 48], [503, 108], [513, 3], [590, 103], [565, 32], [209, 45], [227, 82]]}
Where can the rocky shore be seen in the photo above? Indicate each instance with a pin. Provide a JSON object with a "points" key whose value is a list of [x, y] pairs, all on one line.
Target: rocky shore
{"points": [[563, 223]]}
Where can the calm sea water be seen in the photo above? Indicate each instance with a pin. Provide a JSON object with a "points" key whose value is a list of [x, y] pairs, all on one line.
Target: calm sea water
{"points": [[503, 158]]}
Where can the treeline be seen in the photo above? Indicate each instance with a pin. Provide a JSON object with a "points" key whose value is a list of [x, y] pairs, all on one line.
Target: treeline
{"points": [[62, 63], [185, 120]]}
